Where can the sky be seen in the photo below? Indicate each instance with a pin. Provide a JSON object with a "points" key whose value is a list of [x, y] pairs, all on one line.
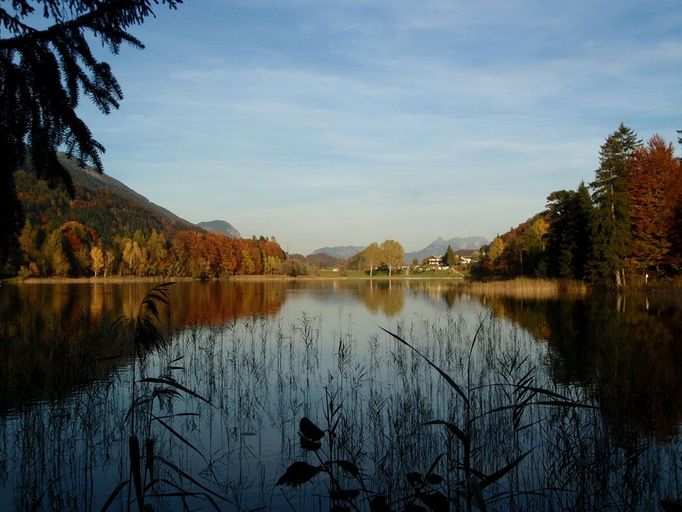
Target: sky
{"points": [[342, 122]]}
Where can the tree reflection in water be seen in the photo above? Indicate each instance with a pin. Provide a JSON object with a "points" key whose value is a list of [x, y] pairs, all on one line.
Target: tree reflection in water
{"points": [[265, 359]]}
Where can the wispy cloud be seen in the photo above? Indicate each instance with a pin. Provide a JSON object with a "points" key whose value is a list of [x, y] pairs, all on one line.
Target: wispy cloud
{"points": [[357, 115]]}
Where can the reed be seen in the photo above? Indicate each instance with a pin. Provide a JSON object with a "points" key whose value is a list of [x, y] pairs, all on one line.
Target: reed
{"points": [[419, 416], [525, 288]]}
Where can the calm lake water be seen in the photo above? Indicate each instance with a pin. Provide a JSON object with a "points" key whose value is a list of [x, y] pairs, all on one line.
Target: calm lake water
{"points": [[570, 404]]}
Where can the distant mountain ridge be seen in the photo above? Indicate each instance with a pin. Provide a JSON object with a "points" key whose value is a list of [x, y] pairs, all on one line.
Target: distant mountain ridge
{"points": [[439, 246], [340, 251], [220, 226]]}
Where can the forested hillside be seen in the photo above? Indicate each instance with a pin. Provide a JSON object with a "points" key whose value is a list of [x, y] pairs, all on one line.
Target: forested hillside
{"points": [[625, 227], [106, 228]]}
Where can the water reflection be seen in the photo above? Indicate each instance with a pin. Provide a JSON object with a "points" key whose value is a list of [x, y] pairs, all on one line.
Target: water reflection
{"points": [[623, 348], [263, 362]]}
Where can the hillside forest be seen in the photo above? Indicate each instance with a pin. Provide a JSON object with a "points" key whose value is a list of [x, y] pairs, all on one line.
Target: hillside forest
{"points": [[625, 227], [97, 232]]}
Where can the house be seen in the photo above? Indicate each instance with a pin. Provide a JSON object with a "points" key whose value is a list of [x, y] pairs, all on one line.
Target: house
{"points": [[433, 262]]}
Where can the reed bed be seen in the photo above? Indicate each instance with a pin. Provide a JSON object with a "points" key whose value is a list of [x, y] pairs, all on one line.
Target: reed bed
{"points": [[526, 288], [253, 380]]}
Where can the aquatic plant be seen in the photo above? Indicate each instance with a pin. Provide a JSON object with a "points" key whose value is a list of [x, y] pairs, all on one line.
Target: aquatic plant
{"points": [[152, 474], [454, 471]]}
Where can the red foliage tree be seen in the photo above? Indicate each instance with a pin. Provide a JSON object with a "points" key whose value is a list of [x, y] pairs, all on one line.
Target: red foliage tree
{"points": [[654, 189]]}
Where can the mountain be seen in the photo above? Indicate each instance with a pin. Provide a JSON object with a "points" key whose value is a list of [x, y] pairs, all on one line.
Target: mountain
{"points": [[316, 261], [220, 226], [439, 246], [100, 202], [340, 251], [91, 180]]}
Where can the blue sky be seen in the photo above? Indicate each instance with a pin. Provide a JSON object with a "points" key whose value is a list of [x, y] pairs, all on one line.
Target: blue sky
{"points": [[345, 122]]}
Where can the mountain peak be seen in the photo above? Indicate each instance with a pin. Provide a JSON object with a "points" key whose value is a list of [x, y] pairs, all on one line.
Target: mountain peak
{"points": [[220, 226], [340, 251], [439, 246]]}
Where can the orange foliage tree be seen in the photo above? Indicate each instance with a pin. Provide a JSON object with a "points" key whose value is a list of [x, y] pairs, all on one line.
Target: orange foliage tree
{"points": [[654, 188], [208, 255], [79, 240]]}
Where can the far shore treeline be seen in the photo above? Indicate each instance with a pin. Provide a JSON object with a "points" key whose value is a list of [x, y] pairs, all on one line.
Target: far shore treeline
{"points": [[624, 228]]}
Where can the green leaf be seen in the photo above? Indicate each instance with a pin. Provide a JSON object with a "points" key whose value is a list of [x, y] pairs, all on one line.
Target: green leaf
{"points": [[309, 445], [171, 382], [298, 473], [113, 495], [414, 479], [452, 428], [491, 479], [310, 430], [179, 436]]}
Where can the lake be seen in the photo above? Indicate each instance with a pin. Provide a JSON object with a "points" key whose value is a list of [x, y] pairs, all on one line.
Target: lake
{"points": [[565, 404]]}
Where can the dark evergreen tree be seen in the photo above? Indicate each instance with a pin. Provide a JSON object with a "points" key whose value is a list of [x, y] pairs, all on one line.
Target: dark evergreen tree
{"points": [[43, 73], [450, 258], [569, 244], [611, 220]]}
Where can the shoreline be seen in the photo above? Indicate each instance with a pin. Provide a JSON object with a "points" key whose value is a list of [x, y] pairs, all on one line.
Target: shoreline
{"points": [[515, 287], [237, 278]]}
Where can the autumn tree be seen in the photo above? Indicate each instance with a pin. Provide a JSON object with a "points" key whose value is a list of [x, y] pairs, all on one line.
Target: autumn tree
{"points": [[79, 239], [392, 255], [46, 66], [493, 254], [523, 248], [54, 252], [611, 220], [109, 262], [97, 259], [133, 256], [157, 252], [654, 189], [370, 258], [31, 241]]}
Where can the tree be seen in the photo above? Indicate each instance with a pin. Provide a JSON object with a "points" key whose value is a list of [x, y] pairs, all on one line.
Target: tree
{"points": [[53, 250], [654, 187], [568, 237], [43, 73], [496, 248], [611, 221], [78, 241], [133, 256], [156, 249], [97, 258], [450, 258], [109, 261], [392, 255], [371, 257]]}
